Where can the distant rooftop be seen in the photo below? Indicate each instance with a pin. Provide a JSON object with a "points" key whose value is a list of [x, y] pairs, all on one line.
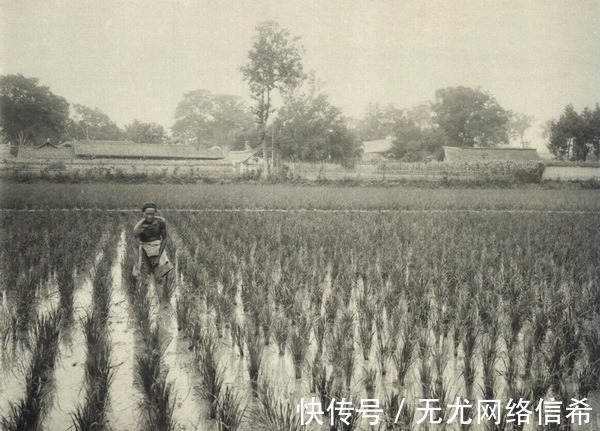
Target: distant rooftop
{"points": [[124, 149]]}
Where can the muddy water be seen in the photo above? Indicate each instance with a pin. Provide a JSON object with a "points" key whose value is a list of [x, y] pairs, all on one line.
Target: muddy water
{"points": [[69, 374], [177, 357], [124, 398]]}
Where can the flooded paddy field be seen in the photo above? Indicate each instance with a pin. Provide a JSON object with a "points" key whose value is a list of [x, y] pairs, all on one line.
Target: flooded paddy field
{"points": [[270, 318]]}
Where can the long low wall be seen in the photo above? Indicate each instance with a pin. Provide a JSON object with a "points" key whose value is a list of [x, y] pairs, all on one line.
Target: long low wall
{"points": [[571, 173]]}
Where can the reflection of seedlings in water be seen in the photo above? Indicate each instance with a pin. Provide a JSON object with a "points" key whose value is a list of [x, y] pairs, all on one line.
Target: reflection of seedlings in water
{"points": [[183, 309], [238, 335], [28, 413], [275, 414], [212, 376], [255, 357], [231, 410], [226, 309], [167, 284]]}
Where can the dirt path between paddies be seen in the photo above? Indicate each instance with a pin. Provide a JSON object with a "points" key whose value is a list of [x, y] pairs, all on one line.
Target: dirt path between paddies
{"points": [[310, 210]]}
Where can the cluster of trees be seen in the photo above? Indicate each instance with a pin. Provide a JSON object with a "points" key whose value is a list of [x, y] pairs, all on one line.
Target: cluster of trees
{"points": [[305, 126], [575, 136], [459, 117], [30, 113]]}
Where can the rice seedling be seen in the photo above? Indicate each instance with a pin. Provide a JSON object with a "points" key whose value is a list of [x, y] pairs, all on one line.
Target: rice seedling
{"points": [[266, 321], [322, 382], [404, 358], [365, 331], [275, 414], [320, 329], [281, 329], [231, 410], [298, 347], [370, 382], [398, 414], [66, 286], [212, 378], [469, 343], [489, 353], [255, 357]]}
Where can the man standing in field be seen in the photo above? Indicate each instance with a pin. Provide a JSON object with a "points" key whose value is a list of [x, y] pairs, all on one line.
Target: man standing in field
{"points": [[151, 230]]}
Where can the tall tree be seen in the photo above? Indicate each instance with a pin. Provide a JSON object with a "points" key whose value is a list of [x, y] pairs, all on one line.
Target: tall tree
{"points": [[274, 64], [210, 119], [146, 133], [92, 124], [378, 122], [30, 112], [518, 125], [564, 134], [575, 136], [470, 117], [309, 128], [414, 140]]}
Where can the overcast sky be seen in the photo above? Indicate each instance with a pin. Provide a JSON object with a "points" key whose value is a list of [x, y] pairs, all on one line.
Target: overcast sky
{"points": [[135, 59]]}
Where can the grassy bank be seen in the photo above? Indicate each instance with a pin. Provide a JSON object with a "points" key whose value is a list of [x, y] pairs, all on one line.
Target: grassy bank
{"points": [[114, 196]]}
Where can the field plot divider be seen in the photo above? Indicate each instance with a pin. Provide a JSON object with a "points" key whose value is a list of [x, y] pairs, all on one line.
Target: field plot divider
{"points": [[307, 210]]}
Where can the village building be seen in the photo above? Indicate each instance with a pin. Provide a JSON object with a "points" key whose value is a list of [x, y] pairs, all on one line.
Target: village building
{"points": [[246, 161], [377, 150], [118, 150]]}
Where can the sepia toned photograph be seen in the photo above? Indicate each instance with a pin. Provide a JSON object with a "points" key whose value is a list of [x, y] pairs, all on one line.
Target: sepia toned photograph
{"points": [[289, 215]]}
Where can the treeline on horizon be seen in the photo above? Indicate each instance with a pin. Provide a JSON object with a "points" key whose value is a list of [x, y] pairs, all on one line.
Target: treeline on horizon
{"points": [[306, 126]]}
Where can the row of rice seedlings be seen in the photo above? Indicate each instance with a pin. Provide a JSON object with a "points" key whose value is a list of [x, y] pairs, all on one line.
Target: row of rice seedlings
{"points": [[212, 378], [28, 413], [98, 366], [151, 378], [150, 370]]}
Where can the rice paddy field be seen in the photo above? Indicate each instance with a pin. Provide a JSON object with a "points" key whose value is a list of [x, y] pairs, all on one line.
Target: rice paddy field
{"points": [[327, 301]]}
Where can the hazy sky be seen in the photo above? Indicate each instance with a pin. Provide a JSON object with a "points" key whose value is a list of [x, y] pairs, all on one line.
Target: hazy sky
{"points": [[135, 59]]}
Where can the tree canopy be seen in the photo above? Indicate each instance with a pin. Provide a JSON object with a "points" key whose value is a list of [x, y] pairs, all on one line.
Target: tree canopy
{"points": [[92, 124], [311, 129], [30, 112], [470, 117], [575, 136], [274, 63], [145, 133], [210, 119]]}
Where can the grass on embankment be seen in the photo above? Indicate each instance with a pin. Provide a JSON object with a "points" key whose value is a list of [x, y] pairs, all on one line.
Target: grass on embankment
{"points": [[117, 196]]}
